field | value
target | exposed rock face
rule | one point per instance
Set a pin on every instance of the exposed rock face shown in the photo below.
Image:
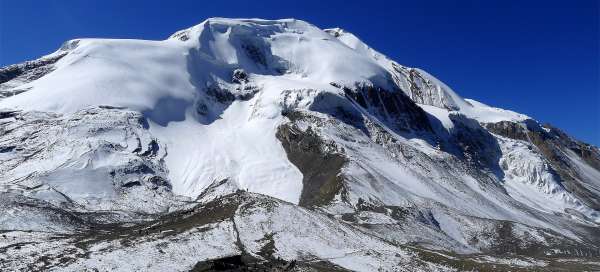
(556, 147)
(18, 74)
(421, 89)
(392, 107)
(239, 76)
(475, 144)
(30, 70)
(589, 153)
(318, 161)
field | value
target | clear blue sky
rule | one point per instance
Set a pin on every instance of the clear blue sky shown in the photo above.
(540, 58)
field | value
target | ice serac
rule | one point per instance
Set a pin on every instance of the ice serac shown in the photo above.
(273, 144)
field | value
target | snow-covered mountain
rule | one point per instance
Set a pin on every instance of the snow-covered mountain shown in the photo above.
(258, 144)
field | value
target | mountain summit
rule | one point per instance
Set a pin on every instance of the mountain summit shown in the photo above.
(274, 145)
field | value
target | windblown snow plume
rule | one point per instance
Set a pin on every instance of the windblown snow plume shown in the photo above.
(275, 145)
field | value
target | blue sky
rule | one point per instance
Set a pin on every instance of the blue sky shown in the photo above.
(540, 58)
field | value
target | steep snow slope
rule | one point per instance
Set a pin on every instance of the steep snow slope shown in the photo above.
(424, 88)
(129, 130)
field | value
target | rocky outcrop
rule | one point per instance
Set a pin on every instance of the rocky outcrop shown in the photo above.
(420, 88)
(15, 75)
(392, 107)
(558, 149)
(320, 167)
